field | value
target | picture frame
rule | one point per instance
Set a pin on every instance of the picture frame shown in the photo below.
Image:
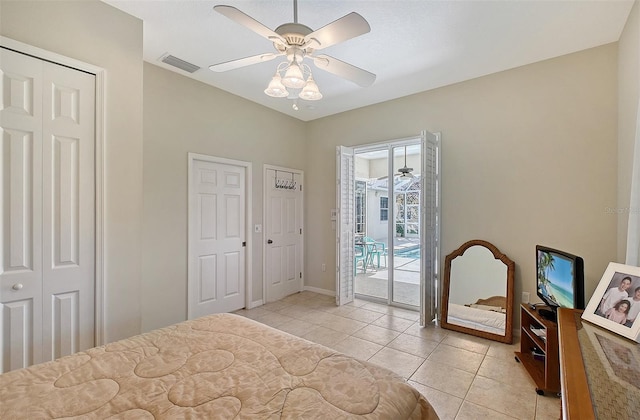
(606, 308)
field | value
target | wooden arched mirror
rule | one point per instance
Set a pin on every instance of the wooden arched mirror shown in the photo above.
(477, 296)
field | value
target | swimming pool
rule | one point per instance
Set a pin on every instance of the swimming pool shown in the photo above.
(409, 252)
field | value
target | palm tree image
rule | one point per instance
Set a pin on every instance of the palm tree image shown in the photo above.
(545, 266)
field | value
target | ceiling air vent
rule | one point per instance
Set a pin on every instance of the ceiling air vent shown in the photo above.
(181, 64)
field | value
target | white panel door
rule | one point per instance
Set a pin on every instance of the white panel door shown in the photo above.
(47, 183)
(283, 233)
(21, 209)
(345, 226)
(216, 238)
(68, 211)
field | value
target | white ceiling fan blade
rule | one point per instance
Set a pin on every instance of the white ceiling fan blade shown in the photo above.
(242, 62)
(347, 27)
(249, 22)
(345, 70)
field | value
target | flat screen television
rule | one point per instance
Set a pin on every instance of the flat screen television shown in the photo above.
(559, 279)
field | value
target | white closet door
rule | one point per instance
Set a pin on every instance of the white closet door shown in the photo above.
(21, 209)
(47, 183)
(68, 210)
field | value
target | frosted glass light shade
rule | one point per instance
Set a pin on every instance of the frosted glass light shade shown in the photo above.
(276, 89)
(293, 77)
(310, 91)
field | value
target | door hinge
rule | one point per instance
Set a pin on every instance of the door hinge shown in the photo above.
(301, 274)
(300, 231)
(244, 243)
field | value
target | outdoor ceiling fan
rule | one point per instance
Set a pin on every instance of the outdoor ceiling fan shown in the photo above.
(297, 42)
(404, 172)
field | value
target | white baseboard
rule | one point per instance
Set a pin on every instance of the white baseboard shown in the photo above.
(255, 304)
(319, 291)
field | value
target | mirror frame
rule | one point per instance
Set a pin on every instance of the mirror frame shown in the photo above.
(508, 336)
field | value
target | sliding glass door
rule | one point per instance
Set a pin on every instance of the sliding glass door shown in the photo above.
(387, 216)
(406, 257)
(372, 222)
(387, 222)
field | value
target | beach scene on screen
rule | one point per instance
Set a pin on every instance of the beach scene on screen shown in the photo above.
(558, 286)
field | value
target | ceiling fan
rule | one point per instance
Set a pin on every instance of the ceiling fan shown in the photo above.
(297, 42)
(404, 172)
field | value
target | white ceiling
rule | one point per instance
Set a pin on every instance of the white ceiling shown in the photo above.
(413, 46)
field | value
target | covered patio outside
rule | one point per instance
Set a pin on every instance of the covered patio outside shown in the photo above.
(372, 281)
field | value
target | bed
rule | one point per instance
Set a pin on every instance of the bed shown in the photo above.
(488, 314)
(477, 317)
(221, 366)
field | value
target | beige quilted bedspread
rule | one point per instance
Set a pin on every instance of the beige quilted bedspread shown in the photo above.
(217, 367)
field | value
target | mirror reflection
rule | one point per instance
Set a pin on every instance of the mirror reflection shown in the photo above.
(478, 291)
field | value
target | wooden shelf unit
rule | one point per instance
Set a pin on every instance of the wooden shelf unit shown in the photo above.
(544, 370)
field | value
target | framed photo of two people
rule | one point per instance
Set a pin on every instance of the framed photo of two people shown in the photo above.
(615, 304)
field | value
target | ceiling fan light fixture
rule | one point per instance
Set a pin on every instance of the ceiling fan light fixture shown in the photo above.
(310, 91)
(293, 77)
(299, 42)
(276, 89)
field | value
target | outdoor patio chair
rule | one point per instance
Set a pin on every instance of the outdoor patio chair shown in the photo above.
(376, 249)
(359, 256)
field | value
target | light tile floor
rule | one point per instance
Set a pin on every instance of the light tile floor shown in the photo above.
(462, 376)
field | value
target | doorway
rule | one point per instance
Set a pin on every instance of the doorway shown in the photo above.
(390, 210)
(388, 234)
(283, 219)
(217, 220)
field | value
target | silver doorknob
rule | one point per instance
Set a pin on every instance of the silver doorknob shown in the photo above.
(17, 286)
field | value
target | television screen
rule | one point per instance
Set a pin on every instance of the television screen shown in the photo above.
(560, 278)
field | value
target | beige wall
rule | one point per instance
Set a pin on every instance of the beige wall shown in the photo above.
(101, 35)
(528, 157)
(505, 137)
(628, 96)
(180, 116)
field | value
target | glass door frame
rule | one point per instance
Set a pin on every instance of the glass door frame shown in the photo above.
(389, 146)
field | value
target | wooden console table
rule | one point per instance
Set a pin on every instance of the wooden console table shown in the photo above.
(599, 371)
